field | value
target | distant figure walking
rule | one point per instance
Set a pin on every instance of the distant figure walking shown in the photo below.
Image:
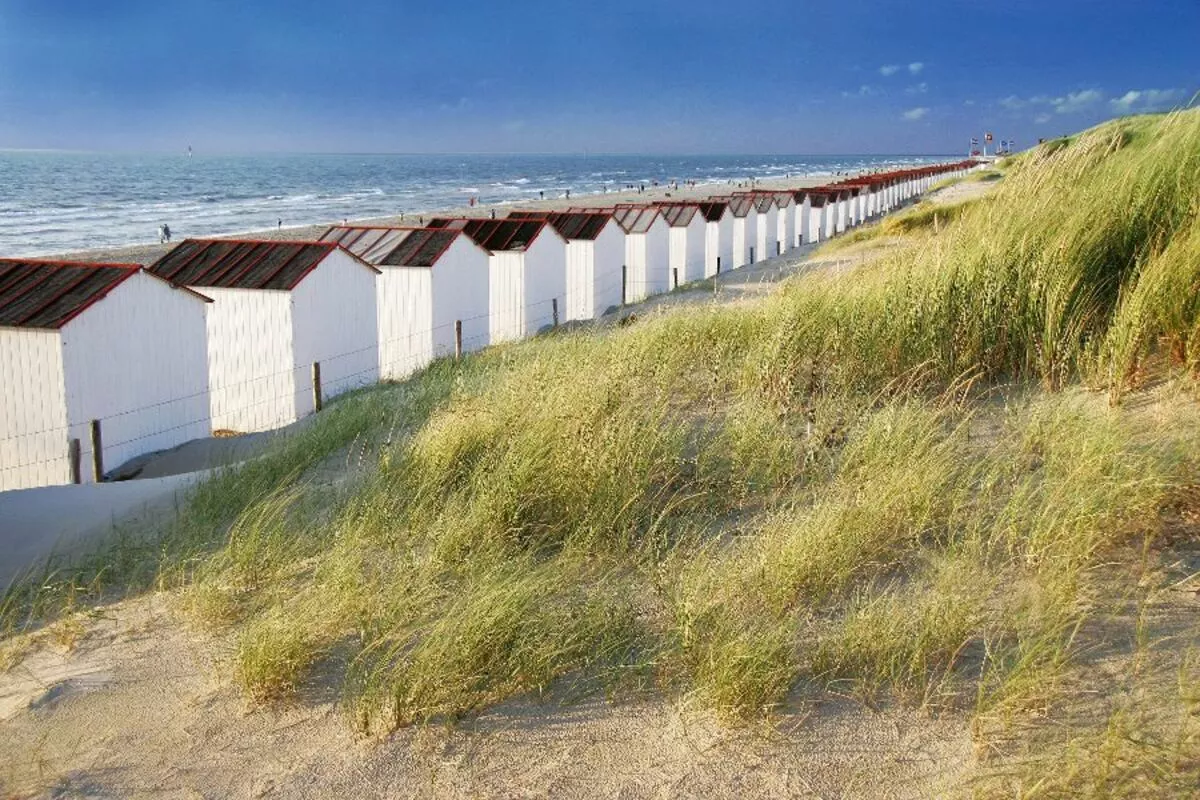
(493, 213)
(164, 233)
(280, 222)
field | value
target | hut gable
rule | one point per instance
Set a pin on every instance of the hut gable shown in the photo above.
(243, 264)
(49, 294)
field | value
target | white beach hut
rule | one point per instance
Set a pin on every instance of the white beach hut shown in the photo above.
(785, 232)
(432, 292)
(689, 230)
(647, 249)
(743, 229)
(105, 342)
(595, 259)
(718, 237)
(285, 316)
(801, 208)
(815, 230)
(768, 225)
(527, 275)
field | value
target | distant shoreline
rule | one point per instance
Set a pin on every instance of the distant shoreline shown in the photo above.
(148, 253)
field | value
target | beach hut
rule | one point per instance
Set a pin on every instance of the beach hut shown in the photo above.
(718, 237)
(84, 342)
(647, 249)
(527, 273)
(764, 230)
(290, 321)
(431, 295)
(743, 230)
(689, 230)
(815, 229)
(595, 279)
(785, 232)
(842, 216)
(801, 209)
(755, 249)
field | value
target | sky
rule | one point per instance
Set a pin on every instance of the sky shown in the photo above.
(551, 76)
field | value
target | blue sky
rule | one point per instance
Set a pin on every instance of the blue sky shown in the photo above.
(702, 76)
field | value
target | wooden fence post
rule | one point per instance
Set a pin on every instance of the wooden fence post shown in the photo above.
(457, 339)
(624, 284)
(318, 400)
(74, 458)
(718, 265)
(97, 452)
(675, 272)
(554, 310)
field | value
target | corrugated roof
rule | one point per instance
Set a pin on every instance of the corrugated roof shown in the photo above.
(241, 264)
(371, 243)
(585, 225)
(421, 248)
(763, 202)
(49, 294)
(634, 218)
(495, 234)
(713, 210)
(739, 204)
(679, 215)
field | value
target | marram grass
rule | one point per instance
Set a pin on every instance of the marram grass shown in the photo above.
(900, 483)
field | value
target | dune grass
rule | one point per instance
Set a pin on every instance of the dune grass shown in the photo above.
(900, 483)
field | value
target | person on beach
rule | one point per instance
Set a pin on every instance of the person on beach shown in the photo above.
(164, 233)
(493, 213)
(542, 194)
(280, 225)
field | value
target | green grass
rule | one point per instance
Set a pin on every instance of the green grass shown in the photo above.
(903, 483)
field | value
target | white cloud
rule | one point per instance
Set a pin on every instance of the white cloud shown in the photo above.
(1077, 101)
(916, 67)
(914, 114)
(1072, 103)
(889, 70)
(920, 88)
(863, 91)
(1042, 119)
(1147, 100)
(968, 102)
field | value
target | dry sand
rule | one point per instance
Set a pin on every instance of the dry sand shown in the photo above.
(141, 708)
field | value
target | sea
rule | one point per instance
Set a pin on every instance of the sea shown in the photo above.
(59, 202)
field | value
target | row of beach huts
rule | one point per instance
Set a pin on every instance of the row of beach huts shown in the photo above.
(102, 363)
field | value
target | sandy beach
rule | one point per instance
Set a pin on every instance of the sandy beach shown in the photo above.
(150, 252)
